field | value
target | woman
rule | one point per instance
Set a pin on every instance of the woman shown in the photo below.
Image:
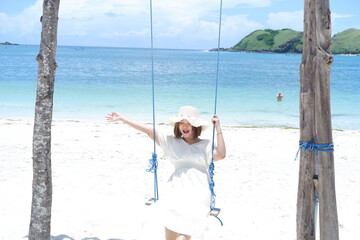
(186, 201)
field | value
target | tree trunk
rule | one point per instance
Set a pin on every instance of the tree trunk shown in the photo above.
(305, 198)
(329, 228)
(315, 121)
(40, 221)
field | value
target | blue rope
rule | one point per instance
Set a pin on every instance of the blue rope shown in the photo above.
(221, 222)
(315, 147)
(212, 166)
(218, 60)
(153, 161)
(212, 184)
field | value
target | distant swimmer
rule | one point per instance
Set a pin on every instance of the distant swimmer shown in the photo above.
(279, 96)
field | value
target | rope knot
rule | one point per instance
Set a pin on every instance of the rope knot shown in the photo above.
(153, 164)
(315, 147)
(307, 145)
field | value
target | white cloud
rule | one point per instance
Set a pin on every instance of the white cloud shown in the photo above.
(22, 25)
(83, 21)
(173, 20)
(126, 34)
(4, 20)
(85, 9)
(249, 3)
(234, 28)
(339, 22)
(337, 15)
(294, 20)
(280, 20)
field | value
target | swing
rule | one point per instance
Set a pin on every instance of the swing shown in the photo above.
(153, 164)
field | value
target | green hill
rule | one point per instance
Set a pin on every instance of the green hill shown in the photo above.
(268, 40)
(346, 42)
(290, 41)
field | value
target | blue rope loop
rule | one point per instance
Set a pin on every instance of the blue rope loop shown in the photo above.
(153, 164)
(315, 147)
(212, 184)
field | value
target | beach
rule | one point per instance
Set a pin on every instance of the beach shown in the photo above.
(100, 183)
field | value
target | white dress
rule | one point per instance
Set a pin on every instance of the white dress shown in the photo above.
(186, 199)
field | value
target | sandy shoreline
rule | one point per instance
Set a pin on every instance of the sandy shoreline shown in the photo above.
(100, 183)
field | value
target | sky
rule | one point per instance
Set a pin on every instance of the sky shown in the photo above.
(177, 24)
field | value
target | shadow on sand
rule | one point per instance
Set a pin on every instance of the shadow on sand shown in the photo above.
(66, 237)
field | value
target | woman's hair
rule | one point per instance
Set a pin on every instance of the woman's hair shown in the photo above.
(177, 132)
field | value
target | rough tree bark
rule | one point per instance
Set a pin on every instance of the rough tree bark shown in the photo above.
(305, 198)
(329, 226)
(40, 222)
(315, 121)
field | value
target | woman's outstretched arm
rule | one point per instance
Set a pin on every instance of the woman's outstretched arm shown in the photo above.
(114, 117)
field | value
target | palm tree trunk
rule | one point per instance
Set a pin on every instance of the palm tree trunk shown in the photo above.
(40, 222)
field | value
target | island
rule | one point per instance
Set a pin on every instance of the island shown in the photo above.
(8, 43)
(291, 41)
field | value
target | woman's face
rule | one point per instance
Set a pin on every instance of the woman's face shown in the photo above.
(186, 129)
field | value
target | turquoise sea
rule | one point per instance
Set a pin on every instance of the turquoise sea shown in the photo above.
(92, 81)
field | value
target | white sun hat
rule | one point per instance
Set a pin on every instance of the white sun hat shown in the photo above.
(190, 114)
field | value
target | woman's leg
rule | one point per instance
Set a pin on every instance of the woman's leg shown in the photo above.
(171, 235)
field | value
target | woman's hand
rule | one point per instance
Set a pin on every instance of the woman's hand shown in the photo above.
(215, 120)
(114, 117)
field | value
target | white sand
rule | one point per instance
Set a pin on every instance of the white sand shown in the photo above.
(100, 183)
